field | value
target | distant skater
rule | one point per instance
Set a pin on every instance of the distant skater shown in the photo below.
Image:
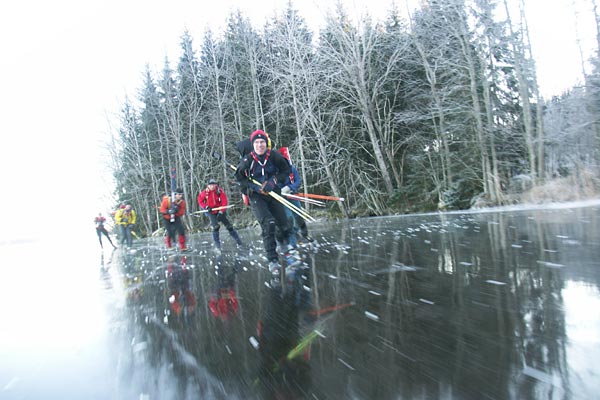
(173, 212)
(125, 219)
(101, 230)
(211, 199)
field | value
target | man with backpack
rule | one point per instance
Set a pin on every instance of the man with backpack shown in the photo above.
(213, 199)
(267, 168)
(173, 210)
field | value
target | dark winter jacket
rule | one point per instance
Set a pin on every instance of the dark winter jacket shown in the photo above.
(270, 166)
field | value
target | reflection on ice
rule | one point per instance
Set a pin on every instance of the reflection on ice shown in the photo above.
(455, 305)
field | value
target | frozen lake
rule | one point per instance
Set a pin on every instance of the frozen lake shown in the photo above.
(501, 304)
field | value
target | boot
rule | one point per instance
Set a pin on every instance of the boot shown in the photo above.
(292, 257)
(307, 237)
(236, 237)
(275, 270)
(168, 242)
(274, 267)
(182, 243)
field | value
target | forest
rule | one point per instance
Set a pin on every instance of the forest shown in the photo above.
(438, 111)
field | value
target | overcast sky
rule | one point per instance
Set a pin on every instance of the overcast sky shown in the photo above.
(67, 65)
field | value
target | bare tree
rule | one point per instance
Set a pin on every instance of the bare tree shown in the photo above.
(352, 53)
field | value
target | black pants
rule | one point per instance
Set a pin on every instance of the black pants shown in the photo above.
(102, 231)
(174, 228)
(270, 214)
(222, 218)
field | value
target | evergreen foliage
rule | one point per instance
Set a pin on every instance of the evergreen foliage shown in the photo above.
(395, 116)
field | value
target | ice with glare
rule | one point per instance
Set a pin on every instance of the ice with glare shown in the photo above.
(254, 342)
(550, 264)
(346, 364)
(372, 316)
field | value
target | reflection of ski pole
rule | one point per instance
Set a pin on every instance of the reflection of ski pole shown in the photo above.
(303, 344)
(330, 309)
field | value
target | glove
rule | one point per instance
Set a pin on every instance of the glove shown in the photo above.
(209, 209)
(255, 188)
(269, 185)
(171, 211)
(124, 220)
(220, 213)
(286, 190)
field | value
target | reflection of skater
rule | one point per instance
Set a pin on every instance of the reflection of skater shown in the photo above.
(269, 168)
(214, 197)
(125, 219)
(101, 230)
(284, 370)
(173, 211)
(181, 296)
(223, 302)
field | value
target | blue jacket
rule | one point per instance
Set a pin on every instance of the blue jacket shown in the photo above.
(293, 180)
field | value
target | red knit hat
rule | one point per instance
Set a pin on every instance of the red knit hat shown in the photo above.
(258, 134)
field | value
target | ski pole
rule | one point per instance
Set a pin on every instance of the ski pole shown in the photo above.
(173, 177)
(305, 199)
(320, 196)
(214, 209)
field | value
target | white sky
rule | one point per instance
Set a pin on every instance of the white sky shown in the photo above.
(67, 65)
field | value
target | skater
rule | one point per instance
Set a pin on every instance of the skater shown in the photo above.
(101, 230)
(172, 212)
(290, 186)
(269, 168)
(209, 199)
(125, 219)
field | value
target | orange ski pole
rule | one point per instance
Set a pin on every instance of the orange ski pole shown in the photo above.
(320, 196)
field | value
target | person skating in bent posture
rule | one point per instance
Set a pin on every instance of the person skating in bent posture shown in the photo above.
(100, 220)
(210, 199)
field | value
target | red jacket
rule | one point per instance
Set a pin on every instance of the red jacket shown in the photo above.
(166, 204)
(212, 198)
(99, 221)
(224, 304)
